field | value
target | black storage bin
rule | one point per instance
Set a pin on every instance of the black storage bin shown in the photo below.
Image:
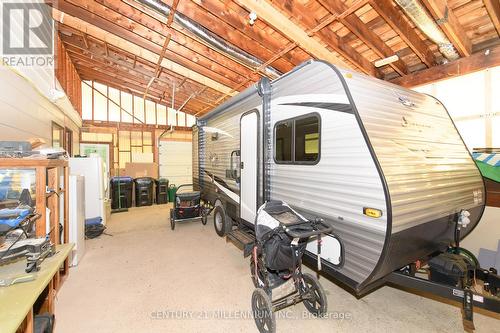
(144, 191)
(161, 191)
(121, 192)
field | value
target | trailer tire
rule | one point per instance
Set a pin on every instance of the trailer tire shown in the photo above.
(222, 223)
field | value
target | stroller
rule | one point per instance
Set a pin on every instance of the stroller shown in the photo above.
(276, 264)
(187, 206)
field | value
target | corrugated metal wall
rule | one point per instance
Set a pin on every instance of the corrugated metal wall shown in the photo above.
(428, 169)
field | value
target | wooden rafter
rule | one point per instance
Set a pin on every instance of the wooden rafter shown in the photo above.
(462, 66)
(370, 38)
(296, 9)
(74, 46)
(85, 64)
(493, 8)
(204, 61)
(140, 52)
(91, 59)
(85, 40)
(450, 25)
(152, 26)
(234, 28)
(275, 18)
(407, 33)
(157, 70)
(292, 45)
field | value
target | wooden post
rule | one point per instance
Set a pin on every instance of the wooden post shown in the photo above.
(29, 322)
(53, 204)
(66, 204)
(40, 201)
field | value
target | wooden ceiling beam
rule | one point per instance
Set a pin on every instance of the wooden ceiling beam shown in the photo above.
(157, 71)
(370, 38)
(292, 45)
(476, 62)
(180, 43)
(239, 22)
(86, 62)
(243, 39)
(118, 25)
(267, 12)
(450, 25)
(394, 18)
(72, 43)
(493, 8)
(293, 32)
(85, 66)
(124, 44)
(85, 41)
(97, 125)
(145, 69)
(156, 27)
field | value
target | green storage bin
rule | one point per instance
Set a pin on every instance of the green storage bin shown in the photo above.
(171, 192)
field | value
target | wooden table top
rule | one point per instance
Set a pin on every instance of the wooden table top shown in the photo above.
(18, 299)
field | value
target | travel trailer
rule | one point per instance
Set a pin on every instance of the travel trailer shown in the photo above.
(384, 165)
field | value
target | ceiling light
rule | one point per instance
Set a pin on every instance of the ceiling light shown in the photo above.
(252, 17)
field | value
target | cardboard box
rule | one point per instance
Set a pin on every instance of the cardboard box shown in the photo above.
(138, 170)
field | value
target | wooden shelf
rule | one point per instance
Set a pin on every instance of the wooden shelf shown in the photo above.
(48, 174)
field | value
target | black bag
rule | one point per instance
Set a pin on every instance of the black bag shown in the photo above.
(94, 230)
(279, 255)
(43, 323)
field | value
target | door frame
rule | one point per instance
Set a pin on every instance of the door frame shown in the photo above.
(256, 111)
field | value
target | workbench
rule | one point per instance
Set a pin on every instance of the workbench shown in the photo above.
(16, 301)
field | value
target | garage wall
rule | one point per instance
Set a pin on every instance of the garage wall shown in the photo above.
(473, 103)
(26, 113)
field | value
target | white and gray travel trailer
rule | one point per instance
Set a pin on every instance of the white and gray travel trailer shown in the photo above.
(384, 165)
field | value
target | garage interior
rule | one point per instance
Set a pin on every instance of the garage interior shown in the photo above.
(120, 102)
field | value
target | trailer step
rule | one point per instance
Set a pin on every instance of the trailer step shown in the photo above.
(241, 239)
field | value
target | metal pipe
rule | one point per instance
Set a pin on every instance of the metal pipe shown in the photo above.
(417, 13)
(210, 39)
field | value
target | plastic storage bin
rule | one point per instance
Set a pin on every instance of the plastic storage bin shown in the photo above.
(121, 192)
(161, 191)
(171, 192)
(144, 191)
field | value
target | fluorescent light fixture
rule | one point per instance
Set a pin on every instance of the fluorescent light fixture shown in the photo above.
(386, 61)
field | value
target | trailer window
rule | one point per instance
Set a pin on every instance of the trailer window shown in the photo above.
(297, 140)
(283, 145)
(307, 139)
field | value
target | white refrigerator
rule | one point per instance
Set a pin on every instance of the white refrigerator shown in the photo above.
(77, 218)
(96, 184)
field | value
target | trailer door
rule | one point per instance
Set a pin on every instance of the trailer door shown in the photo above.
(248, 165)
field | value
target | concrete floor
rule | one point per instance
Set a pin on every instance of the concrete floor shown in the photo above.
(147, 278)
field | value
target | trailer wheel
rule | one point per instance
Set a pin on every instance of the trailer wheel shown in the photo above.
(172, 220)
(317, 304)
(222, 224)
(262, 310)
